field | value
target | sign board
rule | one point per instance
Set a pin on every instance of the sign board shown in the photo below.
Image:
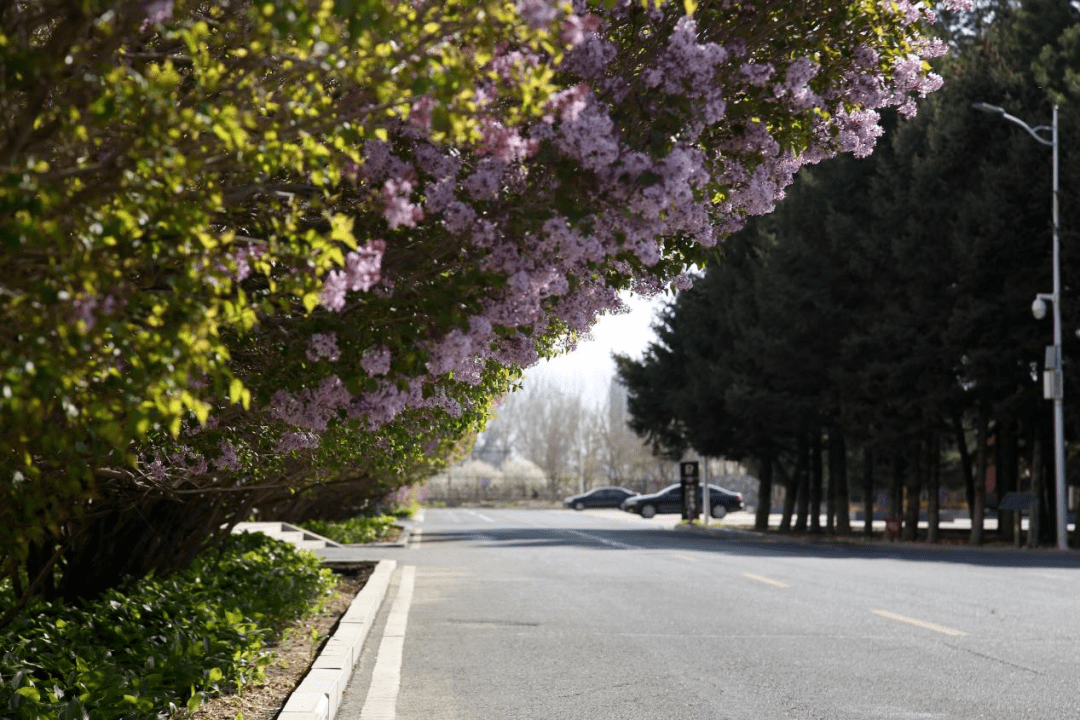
(691, 489)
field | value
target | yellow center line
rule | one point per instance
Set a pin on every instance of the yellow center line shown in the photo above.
(767, 581)
(920, 623)
(687, 558)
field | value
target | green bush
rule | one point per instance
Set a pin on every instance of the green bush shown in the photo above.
(163, 644)
(353, 531)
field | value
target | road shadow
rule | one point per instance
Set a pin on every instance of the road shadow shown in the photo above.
(744, 543)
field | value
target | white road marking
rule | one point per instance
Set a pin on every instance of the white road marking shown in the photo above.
(483, 517)
(920, 623)
(381, 701)
(767, 581)
(611, 543)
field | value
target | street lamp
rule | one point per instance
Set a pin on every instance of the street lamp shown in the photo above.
(1053, 379)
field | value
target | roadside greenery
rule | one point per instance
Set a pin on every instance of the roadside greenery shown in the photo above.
(284, 255)
(354, 530)
(162, 644)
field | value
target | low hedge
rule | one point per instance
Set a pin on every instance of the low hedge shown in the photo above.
(354, 531)
(164, 644)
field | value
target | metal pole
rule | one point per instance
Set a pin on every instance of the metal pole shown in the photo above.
(1055, 387)
(705, 510)
(1059, 399)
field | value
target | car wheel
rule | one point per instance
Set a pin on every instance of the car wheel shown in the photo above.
(718, 511)
(579, 505)
(647, 511)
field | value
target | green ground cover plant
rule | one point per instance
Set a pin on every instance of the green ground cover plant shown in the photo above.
(354, 531)
(163, 645)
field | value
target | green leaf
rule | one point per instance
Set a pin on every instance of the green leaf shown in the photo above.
(236, 389)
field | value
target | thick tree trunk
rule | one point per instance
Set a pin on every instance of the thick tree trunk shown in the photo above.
(965, 458)
(979, 495)
(1005, 452)
(868, 492)
(764, 508)
(838, 484)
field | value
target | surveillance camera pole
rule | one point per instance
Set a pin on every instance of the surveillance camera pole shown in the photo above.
(1054, 380)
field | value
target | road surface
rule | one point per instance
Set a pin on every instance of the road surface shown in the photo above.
(540, 614)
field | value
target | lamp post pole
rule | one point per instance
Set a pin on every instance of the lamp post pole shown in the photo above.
(1053, 378)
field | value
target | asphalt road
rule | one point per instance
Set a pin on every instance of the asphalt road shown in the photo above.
(523, 614)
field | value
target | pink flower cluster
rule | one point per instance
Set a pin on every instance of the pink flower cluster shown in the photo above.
(363, 269)
(323, 346)
(634, 197)
(376, 361)
(295, 441)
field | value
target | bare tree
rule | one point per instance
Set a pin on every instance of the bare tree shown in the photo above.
(575, 445)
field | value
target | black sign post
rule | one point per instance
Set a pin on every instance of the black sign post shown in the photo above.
(691, 488)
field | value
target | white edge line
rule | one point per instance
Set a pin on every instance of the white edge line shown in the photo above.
(381, 700)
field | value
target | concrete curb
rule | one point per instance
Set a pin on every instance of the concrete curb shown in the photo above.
(318, 696)
(403, 541)
(856, 540)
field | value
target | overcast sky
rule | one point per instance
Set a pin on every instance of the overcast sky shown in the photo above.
(588, 369)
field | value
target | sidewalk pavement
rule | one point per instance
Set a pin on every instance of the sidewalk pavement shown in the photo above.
(744, 520)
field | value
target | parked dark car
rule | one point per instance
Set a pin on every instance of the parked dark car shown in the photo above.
(603, 497)
(670, 500)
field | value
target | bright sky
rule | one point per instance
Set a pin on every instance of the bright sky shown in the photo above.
(588, 369)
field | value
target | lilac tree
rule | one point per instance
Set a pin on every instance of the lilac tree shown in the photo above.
(264, 245)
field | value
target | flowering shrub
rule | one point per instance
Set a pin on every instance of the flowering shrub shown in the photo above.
(245, 241)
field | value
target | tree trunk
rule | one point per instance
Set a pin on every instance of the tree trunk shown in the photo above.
(868, 492)
(1047, 500)
(913, 490)
(965, 458)
(160, 535)
(979, 496)
(1005, 451)
(933, 488)
(1036, 517)
(790, 490)
(817, 481)
(830, 492)
(838, 486)
(764, 508)
(802, 473)
(896, 490)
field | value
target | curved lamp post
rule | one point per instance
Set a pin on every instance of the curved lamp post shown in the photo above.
(1053, 379)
